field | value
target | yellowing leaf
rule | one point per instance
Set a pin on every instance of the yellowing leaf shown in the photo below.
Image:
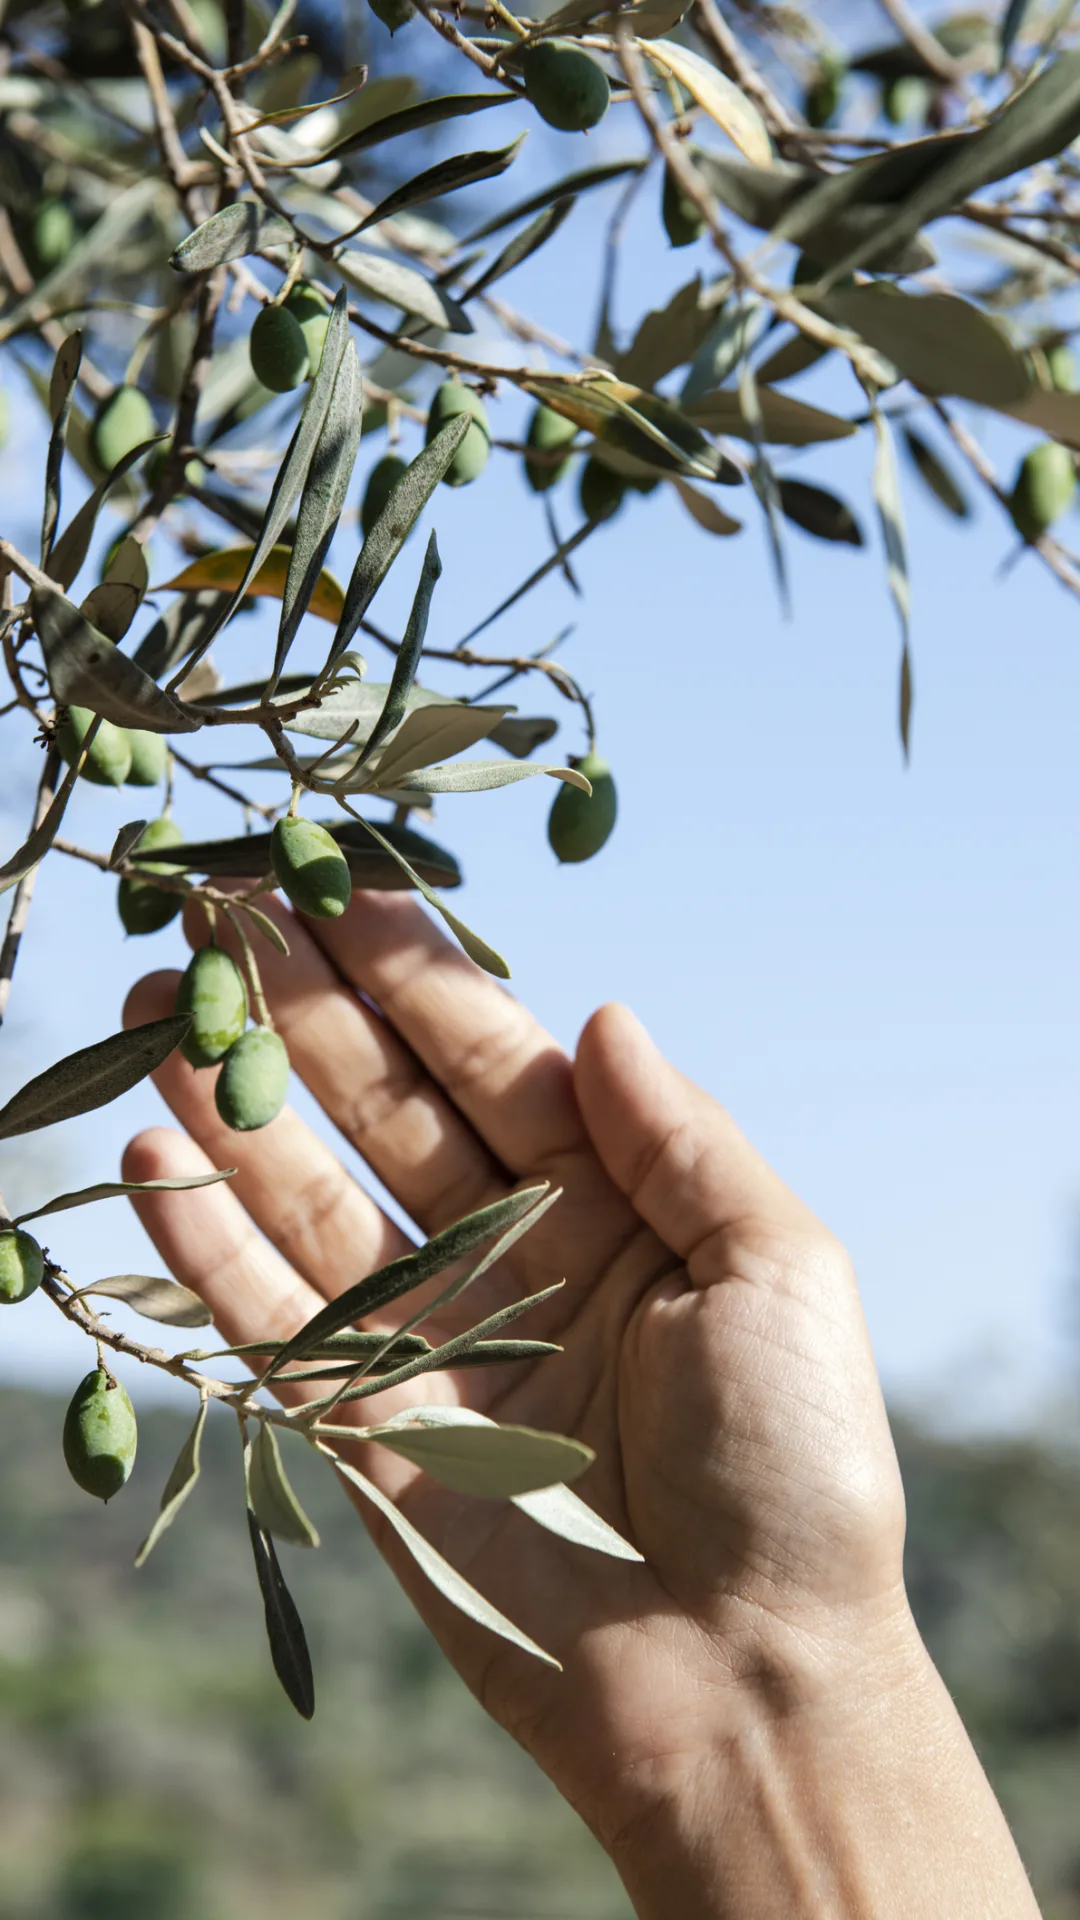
(226, 569)
(721, 99)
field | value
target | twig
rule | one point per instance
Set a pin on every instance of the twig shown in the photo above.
(922, 41)
(1060, 562)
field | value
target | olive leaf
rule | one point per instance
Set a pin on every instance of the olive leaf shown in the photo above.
(790, 201)
(938, 341)
(485, 1353)
(785, 421)
(126, 841)
(36, 846)
(430, 734)
(521, 247)
(886, 490)
(268, 928)
(730, 338)
(705, 511)
(322, 500)
(555, 1508)
(447, 176)
(477, 949)
(491, 1462)
(71, 549)
(61, 398)
(178, 632)
(669, 336)
(112, 606)
(396, 285)
(93, 1076)
(1015, 14)
(293, 470)
(521, 736)
(451, 1354)
(571, 183)
(391, 530)
(244, 227)
(797, 355)
(408, 656)
(179, 1484)
(1035, 124)
(148, 1294)
(426, 113)
(410, 1270)
(270, 1493)
(284, 1628)
(936, 475)
(226, 568)
(452, 1585)
(247, 857)
(482, 776)
(115, 1189)
(720, 98)
(86, 669)
(819, 512)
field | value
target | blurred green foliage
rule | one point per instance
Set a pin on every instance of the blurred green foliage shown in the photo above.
(151, 1770)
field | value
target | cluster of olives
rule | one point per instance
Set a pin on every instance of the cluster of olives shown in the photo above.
(117, 756)
(906, 98)
(99, 1427)
(250, 1090)
(287, 340)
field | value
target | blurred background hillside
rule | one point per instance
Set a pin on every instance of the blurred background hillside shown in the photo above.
(150, 1768)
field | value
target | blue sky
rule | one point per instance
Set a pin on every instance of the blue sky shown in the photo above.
(876, 968)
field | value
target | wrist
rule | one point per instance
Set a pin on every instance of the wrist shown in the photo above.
(835, 1784)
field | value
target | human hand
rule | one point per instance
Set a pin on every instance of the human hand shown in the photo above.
(717, 1363)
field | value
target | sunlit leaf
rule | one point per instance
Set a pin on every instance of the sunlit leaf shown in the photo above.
(481, 776)
(721, 99)
(116, 1189)
(452, 1585)
(179, 1484)
(396, 285)
(225, 570)
(322, 500)
(92, 1077)
(491, 1462)
(86, 669)
(270, 1492)
(245, 227)
(426, 113)
(447, 176)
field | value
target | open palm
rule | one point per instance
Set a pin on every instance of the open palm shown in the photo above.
(716, 1358)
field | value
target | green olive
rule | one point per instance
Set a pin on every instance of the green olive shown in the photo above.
(601, 491)
(381, 482)
(108, 761)
(450, 400)
(310, 868)
(549, 433)
(21, 1266)
(578, 825)
(100, 1435)
(392, 13)
(143, 907)
(683, 223)
(279, 355)
(121, 423)
(568, 88)
(1044, 489)
(149, 758)
(253, 1081)
(212, 990)
(312, 314)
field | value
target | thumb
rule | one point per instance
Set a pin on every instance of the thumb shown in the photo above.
(670, 1147)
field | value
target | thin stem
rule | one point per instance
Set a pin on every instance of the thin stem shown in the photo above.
(24, 892)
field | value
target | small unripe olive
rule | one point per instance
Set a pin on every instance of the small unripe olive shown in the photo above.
(578, 824)
(683, 223)
(568, 88)
(121, 423)
(212, 990)
(392, 13)
(108, 761)
(21, 1266)
(904, 99)
(52, 235)
(1044, 489)
(312, 314)
(822, 98)
(149, 756)
(381, 482)
(143, 907)
(310, 868)
(279, 355)
(100, 1435)
(601, 491)
(449, 400)
(549, 432)
(1061, 366)
(253, 1081)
